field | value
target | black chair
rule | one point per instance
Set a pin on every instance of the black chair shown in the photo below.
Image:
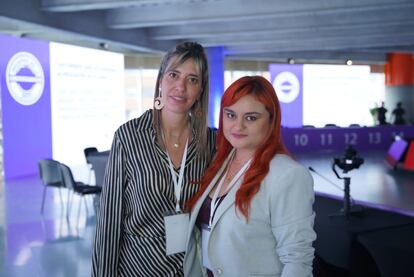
(78, 187)
(87, 151)
(98, 163)
(51, 176)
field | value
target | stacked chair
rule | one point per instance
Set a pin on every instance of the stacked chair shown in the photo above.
(87, 151)
(56, 174)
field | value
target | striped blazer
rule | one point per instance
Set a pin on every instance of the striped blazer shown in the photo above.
(137, 191)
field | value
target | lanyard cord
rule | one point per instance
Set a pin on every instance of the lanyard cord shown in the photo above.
(178, 184)
(214, 200)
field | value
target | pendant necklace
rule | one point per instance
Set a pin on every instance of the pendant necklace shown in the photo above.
(175, 144)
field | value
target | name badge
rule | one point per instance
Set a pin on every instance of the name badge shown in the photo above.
(176, 229)
(205, 236)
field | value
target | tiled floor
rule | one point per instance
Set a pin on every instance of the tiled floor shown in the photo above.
(48, 245)
(53, 245)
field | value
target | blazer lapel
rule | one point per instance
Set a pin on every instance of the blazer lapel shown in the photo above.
(227, 202)
(197, 206)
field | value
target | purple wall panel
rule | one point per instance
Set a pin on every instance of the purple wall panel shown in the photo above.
(26, 109)
(287, 79)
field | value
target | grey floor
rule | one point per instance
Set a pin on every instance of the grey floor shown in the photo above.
(49, 245)
(54, 245)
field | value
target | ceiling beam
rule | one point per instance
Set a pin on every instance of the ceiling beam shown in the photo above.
(87, 5)
(230, 10)
(266, 29)
(86, 24)
(315, 57)
(324, 44)
(330, 33)
(388, 16)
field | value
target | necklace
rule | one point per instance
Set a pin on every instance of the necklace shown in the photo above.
(177, 143)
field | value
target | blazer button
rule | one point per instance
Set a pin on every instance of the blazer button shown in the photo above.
(219, 271)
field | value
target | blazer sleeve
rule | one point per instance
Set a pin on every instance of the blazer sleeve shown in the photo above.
(109, 220)
(292, 219)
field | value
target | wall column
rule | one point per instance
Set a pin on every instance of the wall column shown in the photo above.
(215, 56)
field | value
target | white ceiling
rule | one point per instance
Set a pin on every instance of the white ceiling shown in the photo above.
(272, 30)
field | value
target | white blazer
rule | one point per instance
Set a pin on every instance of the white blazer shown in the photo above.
(276, 240)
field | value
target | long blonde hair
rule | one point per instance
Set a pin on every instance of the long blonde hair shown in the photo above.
(199, 111)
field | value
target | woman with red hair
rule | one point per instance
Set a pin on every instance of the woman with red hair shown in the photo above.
(253, 214)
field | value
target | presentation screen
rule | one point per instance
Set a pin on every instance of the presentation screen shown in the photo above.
(317, 95)
(87, 99)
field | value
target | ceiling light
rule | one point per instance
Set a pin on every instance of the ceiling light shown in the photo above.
(104, 45)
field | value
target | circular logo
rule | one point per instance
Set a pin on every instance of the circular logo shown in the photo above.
(25, 78)
(287, 86)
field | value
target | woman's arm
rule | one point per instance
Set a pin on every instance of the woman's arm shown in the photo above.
(109, 219)
(292, 219)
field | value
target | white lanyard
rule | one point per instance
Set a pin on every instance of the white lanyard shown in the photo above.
(178, 185)
(214, 202)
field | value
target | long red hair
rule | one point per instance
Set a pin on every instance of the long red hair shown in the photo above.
(273, 144)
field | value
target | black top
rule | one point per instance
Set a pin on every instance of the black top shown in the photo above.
(204, 217)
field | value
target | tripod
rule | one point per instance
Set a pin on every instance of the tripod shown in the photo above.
(348, 209)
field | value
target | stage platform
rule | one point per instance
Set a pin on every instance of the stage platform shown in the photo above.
(374, 184)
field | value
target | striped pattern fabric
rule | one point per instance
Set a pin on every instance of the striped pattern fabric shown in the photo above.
(137, 191)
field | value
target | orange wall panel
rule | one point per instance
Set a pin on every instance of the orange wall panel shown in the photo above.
(399, 69)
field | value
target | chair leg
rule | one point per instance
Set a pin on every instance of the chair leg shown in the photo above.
(43, 199)
(86, 206)
(68, 204)
(61, 201)
(80, 206)
(71, 194)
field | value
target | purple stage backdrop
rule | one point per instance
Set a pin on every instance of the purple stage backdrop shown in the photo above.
(25, 97)
(287, 79)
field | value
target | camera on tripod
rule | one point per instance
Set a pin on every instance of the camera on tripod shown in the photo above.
(349, 161)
